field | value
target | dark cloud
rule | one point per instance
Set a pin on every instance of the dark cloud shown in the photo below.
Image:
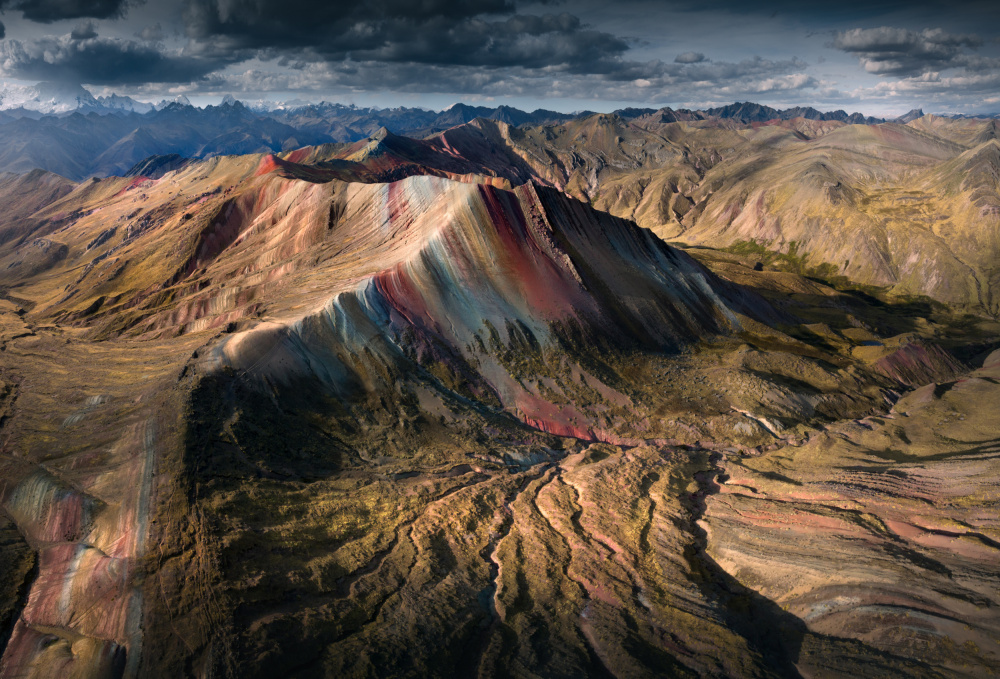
(471, 34)
(838, 11)
(453, 32)
(152, 33)
(653, 82)
(689, 58)
(526, 41)
(84, 31)
(901, 52)
(98, 61)
(3, 31)
(289, 23)
(47, 11)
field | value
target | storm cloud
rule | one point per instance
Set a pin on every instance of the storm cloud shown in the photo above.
(460, 33)
(84, 31)
(689, 58)
(897, 51)
(47, 11)
(98, 61)
(709, 81)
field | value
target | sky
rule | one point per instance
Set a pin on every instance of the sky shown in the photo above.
(882, 57)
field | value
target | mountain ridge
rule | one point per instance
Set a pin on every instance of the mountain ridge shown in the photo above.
(233, 127)
(695, 181)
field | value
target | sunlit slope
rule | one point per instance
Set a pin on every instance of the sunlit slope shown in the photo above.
(965, 131)
(855, 202)
(903, 503)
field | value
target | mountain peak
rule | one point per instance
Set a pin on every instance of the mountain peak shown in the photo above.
(179, 101)
(989, 132)
(910, 116)
(47, 97)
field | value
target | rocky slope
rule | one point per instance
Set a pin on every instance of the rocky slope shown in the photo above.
(919, 483)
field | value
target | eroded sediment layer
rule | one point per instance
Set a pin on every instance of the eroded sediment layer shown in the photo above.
(904, 505)
(82, 447)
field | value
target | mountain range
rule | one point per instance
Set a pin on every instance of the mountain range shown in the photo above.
(66, 130)
(910, 207)
(643, 394)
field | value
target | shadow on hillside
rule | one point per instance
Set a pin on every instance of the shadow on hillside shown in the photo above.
(782, 640)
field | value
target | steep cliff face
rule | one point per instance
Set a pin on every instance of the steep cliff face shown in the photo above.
(877, 204)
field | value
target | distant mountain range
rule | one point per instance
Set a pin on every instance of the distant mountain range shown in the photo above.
(50, 98)
(65, 129)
